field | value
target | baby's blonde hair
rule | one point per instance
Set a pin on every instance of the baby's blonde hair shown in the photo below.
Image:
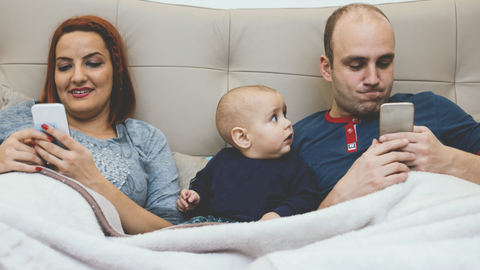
(233, 109)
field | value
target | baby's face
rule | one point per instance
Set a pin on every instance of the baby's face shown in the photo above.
(270, 132)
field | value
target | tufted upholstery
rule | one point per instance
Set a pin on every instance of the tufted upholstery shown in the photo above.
(184, 59)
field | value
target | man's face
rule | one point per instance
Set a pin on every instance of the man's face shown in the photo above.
(362, 74)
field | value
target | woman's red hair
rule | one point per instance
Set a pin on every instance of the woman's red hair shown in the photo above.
(122, 99)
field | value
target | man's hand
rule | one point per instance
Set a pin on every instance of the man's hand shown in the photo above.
(433, 156)
(269, 215)
(382, 165)
(188, 200)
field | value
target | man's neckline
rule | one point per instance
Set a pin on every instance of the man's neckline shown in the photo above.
(345, 120)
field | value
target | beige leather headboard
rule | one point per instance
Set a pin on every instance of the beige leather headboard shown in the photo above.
(184, 59)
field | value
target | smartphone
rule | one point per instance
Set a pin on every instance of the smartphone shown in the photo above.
(52, 114)
(396, 117)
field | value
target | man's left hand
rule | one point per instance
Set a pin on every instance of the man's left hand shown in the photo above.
(431, 154)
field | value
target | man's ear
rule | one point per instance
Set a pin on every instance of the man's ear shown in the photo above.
(240, 137)
(326, 68)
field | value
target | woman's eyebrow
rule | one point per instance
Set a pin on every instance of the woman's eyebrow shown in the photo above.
(86, 56)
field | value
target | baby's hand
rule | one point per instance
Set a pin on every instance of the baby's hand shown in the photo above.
(269, 215)
(188, 200)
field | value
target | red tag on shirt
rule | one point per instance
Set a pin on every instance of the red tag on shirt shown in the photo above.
(351, 138)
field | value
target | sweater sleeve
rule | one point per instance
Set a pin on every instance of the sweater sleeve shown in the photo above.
(162, 190)
(457, 128)
(303, 196)
(202, 186)
(15, 118)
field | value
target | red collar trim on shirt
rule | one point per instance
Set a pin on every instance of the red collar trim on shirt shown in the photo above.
(345, 120)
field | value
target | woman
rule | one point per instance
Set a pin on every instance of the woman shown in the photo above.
(127, 161)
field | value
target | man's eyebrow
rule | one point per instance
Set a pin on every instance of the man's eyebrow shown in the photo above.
(86, 56)
(388, 55)
(350, 58)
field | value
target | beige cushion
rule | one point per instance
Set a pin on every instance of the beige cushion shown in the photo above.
(476, 117)
(10, 97)
(187, 168)
(183, 59)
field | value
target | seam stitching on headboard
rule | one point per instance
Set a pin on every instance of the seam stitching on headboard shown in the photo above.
(229, 43)
(228, 60)
(116, 14)
(456, 51)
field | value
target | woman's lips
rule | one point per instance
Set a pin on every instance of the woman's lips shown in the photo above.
(81, 92)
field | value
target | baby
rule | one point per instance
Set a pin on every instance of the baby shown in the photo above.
(257, 179)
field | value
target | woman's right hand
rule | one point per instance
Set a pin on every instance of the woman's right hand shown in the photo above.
(15, 153)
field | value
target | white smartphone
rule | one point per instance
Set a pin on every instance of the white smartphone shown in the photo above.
(52, 114)
(396, 117)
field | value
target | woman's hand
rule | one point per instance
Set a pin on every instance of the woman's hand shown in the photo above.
(75, 162)
(17, 151)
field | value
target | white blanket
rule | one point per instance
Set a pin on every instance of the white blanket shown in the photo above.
(429, 222)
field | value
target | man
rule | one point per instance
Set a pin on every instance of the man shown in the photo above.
(340, 145)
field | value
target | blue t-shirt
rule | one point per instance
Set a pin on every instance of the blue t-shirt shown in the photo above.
(138, 161)
(331, 145)
(244, 189)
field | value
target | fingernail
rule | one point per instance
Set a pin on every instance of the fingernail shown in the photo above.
(38, 169)
(50, 138)
(382, 138)
(413, 155)
(45, 126)
(405, 140)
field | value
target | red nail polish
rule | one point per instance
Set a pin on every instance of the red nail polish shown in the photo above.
(50, 138)
(38, 169)
(45, 126)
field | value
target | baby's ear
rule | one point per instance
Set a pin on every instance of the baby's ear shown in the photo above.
(240, 137)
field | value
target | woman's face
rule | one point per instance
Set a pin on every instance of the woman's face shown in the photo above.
(84, 75)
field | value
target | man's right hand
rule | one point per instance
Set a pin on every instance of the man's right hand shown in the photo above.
(379, 167)
(188, 200)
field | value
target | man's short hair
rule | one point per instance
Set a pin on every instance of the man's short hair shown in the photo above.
(332, 22)
(234, 107)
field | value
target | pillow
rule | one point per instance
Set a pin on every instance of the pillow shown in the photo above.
(476, 117)
(187, 168)
(11, 97)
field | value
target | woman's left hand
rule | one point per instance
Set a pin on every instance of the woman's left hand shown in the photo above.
(75, 162)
